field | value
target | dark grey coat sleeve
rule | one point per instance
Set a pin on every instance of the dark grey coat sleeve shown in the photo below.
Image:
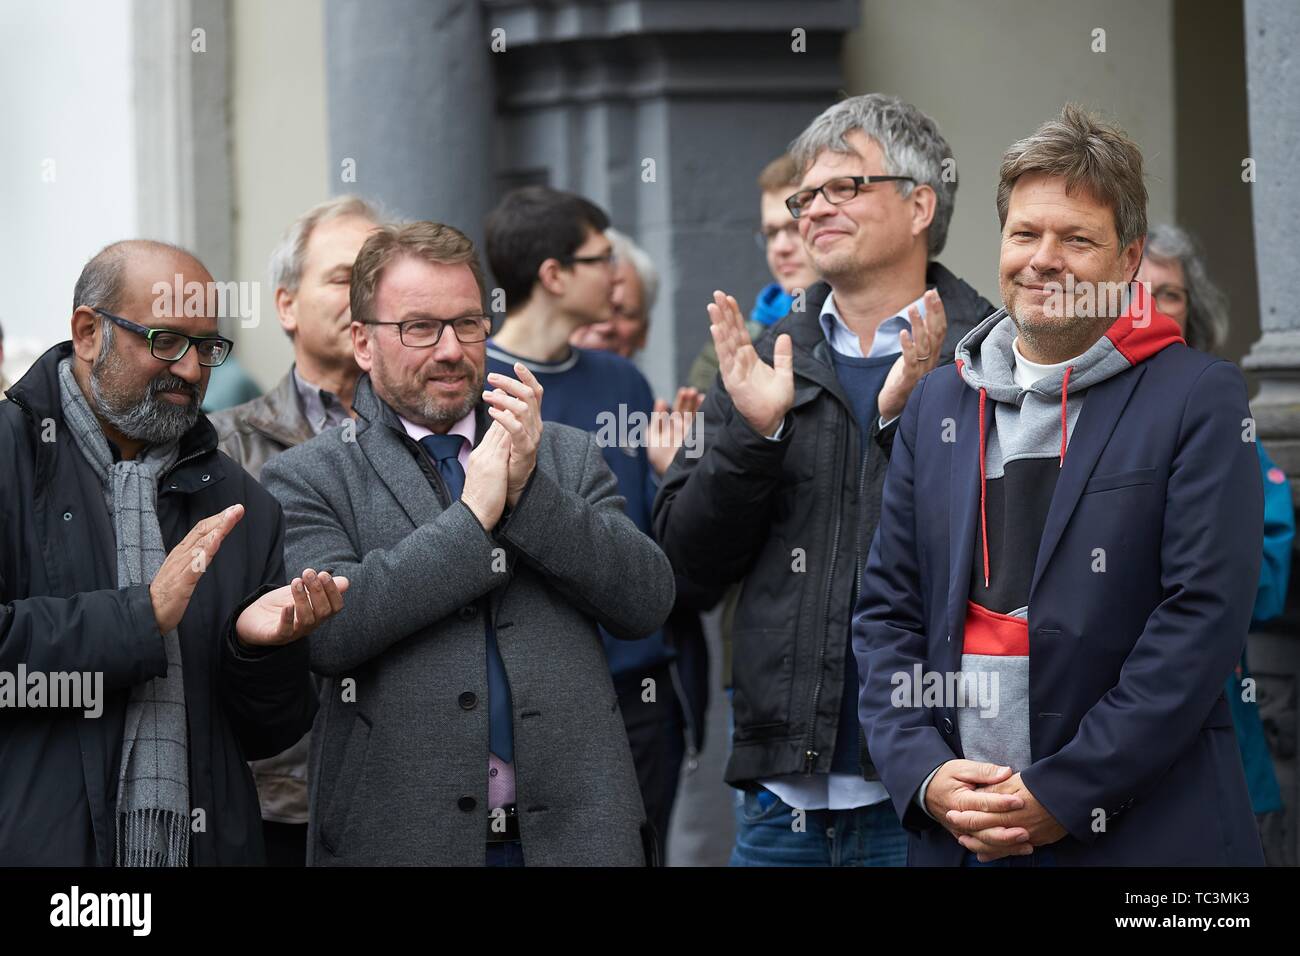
(593, 554)
(391, 593)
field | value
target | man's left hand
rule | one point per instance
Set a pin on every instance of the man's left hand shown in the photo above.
(292, 612)
(991, 836)
(920, 354)
(517, 405)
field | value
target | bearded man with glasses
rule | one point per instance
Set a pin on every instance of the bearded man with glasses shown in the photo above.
(468, 717)
(113, 504)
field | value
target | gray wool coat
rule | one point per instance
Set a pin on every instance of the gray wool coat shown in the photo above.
(400, 748)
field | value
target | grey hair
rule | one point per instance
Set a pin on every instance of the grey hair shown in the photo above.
(625, 248)
(1207, 304)
(910, 141)
(288, 256)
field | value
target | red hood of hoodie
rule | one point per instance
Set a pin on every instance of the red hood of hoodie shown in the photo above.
(1142, 330)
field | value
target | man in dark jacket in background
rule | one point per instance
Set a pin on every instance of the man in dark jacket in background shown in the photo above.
(113, 503)
(311, 272)
(786, 495)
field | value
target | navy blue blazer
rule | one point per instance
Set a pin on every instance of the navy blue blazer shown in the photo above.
(1128, 722)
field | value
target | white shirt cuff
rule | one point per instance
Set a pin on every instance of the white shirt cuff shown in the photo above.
(920, 794)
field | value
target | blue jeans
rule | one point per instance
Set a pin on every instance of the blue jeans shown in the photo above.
(866, 836)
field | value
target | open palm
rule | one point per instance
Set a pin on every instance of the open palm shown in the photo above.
(762, 393)
(286, 614)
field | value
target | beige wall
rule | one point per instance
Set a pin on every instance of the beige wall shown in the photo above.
(278, 126)
(990, 72)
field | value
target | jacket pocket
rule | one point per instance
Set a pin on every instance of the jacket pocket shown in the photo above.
(763, 673)
(334, 823)
(1120, 479)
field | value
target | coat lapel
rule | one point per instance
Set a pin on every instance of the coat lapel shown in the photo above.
(1102, 406)
(393, 461)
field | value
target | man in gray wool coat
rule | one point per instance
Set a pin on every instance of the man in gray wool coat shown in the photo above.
(467, 714)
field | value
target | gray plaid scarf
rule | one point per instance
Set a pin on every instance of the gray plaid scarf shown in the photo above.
(153, 792)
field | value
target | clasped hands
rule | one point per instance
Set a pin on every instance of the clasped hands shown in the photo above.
(989, 810)
(499, 468)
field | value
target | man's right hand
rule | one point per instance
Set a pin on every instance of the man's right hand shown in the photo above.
(956, 787)
(174, 584)
(487, 476)
(762, 393)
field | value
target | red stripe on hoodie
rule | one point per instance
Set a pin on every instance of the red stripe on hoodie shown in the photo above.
(1142, 330)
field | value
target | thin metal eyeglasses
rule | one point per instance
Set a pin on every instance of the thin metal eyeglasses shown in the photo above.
(609, 259)
(425, 333)
(837, 191)
(765, 237)
(168, 345)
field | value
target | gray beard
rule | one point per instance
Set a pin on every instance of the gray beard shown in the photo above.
(434, 415)
(150, 419)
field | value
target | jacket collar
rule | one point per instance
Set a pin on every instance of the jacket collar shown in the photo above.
(812, 353)
(278, 415)
(37, 393)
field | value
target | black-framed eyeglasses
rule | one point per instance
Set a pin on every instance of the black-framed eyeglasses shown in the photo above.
(424, 333)
(168, 345)
(608, 259)
(837, 191)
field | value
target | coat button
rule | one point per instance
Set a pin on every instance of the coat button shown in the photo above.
(67, 516)
(467, 612)
(467, 701)
(207, 477)
(947, 725)
(467, 803)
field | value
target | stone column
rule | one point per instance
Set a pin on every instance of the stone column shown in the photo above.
(410, 101)
(1273, 87)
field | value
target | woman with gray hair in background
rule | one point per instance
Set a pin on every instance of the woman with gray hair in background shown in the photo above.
(1175, 270)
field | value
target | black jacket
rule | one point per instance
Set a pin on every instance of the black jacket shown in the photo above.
(60, 611)
(794, 519)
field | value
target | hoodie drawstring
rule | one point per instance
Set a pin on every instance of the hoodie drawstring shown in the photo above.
(984, 518)
(1065, 390)
(984, 521)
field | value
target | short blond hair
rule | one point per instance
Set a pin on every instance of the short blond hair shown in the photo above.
(431, 241)
(1091, 155)
(781, 173)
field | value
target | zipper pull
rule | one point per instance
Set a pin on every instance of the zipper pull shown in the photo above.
(809, 760)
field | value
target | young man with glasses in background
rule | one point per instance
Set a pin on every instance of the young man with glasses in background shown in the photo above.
(787, 260)
(558, 270)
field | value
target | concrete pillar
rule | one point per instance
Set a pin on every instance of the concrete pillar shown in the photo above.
(1273, 87)
(410, 100)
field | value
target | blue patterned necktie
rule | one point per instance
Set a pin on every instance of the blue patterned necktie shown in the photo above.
(445, 452)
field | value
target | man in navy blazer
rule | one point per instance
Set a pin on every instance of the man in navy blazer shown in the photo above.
(1067, 554)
